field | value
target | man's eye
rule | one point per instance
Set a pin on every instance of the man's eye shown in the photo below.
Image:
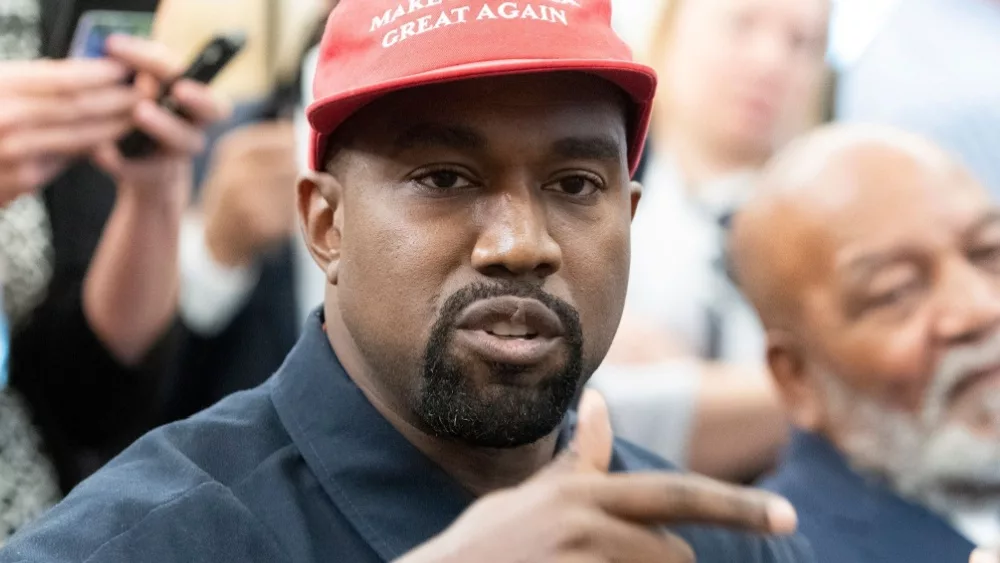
(443, 180)
(581, 186)
(896, 296)
(987, 257)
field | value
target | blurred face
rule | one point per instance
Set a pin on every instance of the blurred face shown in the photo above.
(745, 73)
(905, 316)
(480, 251)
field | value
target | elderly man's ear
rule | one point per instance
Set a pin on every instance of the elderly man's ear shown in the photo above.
(803, 401)
(321, 217)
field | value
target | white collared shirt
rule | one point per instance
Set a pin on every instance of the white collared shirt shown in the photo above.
(981, 528)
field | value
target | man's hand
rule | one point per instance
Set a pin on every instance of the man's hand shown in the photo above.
(985, 556)
(166, 174)
(249, 196)
(54, 111)
(575, 511)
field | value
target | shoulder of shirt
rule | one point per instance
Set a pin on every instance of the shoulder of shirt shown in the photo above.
(177, 482)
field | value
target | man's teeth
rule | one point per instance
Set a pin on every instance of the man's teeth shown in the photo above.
(510, 329)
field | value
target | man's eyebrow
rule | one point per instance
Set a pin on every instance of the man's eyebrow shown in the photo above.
(588, 148)
(436, 135)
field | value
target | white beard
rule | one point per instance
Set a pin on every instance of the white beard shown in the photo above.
(923, 457)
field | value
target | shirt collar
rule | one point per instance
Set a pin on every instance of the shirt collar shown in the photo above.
(393, 495)
(980, 527)
(891, 520)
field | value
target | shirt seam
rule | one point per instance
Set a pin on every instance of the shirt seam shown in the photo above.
(173, 502)
(358, 520)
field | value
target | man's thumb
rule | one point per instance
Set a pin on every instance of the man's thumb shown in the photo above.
(983, 556)
(593, 439)
(590, 449)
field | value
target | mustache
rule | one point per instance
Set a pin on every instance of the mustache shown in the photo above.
(954, 369)
(480, 291)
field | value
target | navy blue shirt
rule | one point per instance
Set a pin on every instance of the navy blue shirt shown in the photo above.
(301, 469)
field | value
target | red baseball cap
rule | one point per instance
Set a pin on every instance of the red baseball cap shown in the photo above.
(374, 47)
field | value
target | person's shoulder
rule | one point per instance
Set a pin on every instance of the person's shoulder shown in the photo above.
(175, 492)
(716, 545)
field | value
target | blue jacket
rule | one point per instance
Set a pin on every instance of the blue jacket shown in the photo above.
(849, 519)
(302, 469)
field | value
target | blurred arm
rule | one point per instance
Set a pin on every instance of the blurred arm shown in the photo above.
(211, 294)
(130, 292)
(722, 420)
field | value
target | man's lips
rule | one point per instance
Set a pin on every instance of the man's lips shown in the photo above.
(510, 330)
(512, 317)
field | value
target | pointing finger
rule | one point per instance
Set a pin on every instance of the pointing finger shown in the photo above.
(663, 498)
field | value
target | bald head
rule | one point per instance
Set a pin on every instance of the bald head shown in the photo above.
(820, 192)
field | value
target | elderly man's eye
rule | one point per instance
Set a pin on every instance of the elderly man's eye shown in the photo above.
(895, 296)
(443, 180)
(987, 257)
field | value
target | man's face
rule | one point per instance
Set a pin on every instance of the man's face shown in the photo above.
(482, 250)
(904, 318)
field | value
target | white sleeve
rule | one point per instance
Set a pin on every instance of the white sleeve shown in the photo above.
(653, 405)
(211, 294)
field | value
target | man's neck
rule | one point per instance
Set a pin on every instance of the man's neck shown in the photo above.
(480, 470)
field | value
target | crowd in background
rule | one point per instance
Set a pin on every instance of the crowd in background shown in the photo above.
(137, 295)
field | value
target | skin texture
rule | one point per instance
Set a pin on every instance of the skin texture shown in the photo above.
(520, 186)
(874, 260)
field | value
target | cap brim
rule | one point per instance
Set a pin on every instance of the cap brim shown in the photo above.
(637, 80)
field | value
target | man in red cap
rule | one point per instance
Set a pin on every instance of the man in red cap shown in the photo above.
(470, 206)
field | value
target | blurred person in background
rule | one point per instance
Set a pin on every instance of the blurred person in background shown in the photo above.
(686, 377)
(883, 335)
(88, 251)
(930, 66)
(248, 282)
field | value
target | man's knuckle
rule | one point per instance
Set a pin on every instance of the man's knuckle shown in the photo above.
(575, 530)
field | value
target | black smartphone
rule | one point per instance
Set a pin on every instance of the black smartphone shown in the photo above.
(206, 66)
(78, 28)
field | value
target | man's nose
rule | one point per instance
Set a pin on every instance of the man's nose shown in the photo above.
(514, 240)
(969, 306)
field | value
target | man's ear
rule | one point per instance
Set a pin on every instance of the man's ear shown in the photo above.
(321, 217)
(790, 371)
(635, 193)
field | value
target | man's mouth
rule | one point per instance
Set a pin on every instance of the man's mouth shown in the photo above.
(510, 330)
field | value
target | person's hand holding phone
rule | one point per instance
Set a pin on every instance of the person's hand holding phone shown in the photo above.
(166, 174)
(52, 112)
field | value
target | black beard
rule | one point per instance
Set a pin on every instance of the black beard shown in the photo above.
(450, 405)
